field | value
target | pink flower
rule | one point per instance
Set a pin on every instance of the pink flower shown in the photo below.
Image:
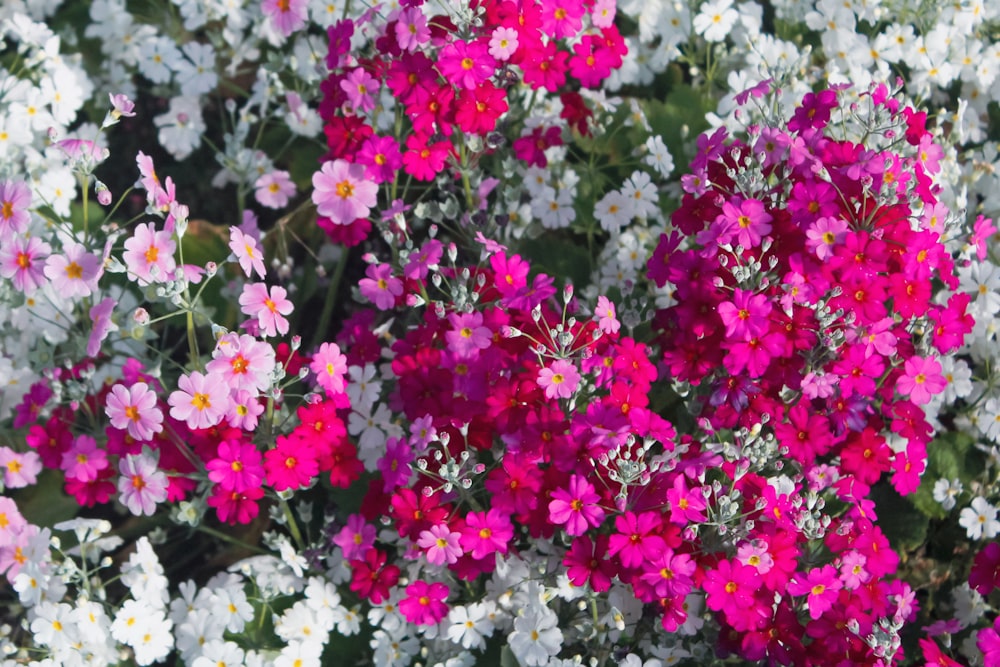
(134, 409)
(921, 379)
(395, 464)
(746, 316)
(411, 29)
(244, 409)
(149, 254)
(274, 189)
(440, 545)
(356, 538)
(605, 314)
(243, 362)
(486, 533)
(576, 507)
(15, 197)
(286, 16)
(748, 223)
(466, 64)
(559, 380)
(141, 485)
(22, 261)
(468, 335)
(290, 465)
(75, 273)
(84, 460)
(201, 401)
(341, 192)
(381, 287)
(20, 469)
(381, 158)
(237, 466)
(503, 43)
(330, 368)
(244, 247)
(636, 541)
(424, 603)
(100, 315)
(269, 307)
(824, 234)
(360, 88)
(821, 586)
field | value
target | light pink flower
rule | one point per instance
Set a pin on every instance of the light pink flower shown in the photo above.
(243, 362)
(605, 314)
(134, 409)
(921, 379)
(330, 368)
(274, 189)
(360, 87)
(411, 29)
(244, 247)
(381, 287)
(559, 380)
(286, 16)
(341, 193)
(15, 197)
(100, 315)
(440, 545)
(269, 307)
(141, 485)
(503, 43)
(75, 273)
(20, 469)
(468, 335)
(201, 400)
(149, 254)
(84, 459)
(23, 260)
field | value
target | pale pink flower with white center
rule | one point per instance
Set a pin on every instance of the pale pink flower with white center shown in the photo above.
(605, 314)
(286, 16)
(75, 273)
(559, 380)
(274, 189)
(22, 261)
(201, 401)
(121, 105)
(921, 379)
(20, 469)
(149, 254)
(244, 247)
(602, 14)
(84, 459)
(268, 306)
(440, 545)
(15, 197)
(468, 335)
(100, 316)
(141, 485)
(243, 362)
(341, 192)
(503, 43)
(134, 409)
(330, 368)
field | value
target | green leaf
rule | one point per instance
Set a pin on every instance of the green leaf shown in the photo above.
(45, 504)
(559, 259)
(903, 524)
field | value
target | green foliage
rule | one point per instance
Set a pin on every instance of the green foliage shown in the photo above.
(950, 456)
(903, 524)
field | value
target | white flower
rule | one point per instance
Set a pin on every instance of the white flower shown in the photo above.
(181, 127)
(145, 629)
(301, 623)
(363, 389)
(640, 190)
(659, 157)
(980, 520)
(231, 608)
(158, 58)
(198, 628)
(536, 636)
(613, 211)
(946, 491)
(196, 75)
(715, 20)
(554, 210)
(218, 653)
(53, 626)
(300, 654)
(470, 625)
(969, 605)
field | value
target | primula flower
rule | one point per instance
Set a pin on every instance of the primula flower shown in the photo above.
(468, 335)
(746, 316)
(486, 533)
(536, 637)
(356, 538)
(201, 401)
(244, 247)
(74, 273)
(286, 16)
(100, 316)
(234, 507)
(149, 254)
(141, 485)
(274, 189)
(20, 469)
(22, 261)
(381, 287)
(466, 64)
(441, 545)
(559, 380)
(424, 603)
(636, 540)
(748, 223)
(290, 465)
(921, 379)
(381, 158)
(576, 506)
(503, 43)
(342, 193)
(330, 368)
(15, 197)
(269, 306)
(134, 409)
(372, 578)
(980, 520)
(820, 585)
(411, 29)
(237, 466)
(84, 460)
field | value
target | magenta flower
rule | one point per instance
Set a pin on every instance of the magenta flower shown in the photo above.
(341, 192)
(244, 247)
(22, 261)
(141, 485)
(424, 603)
(290, 465)
(381, 158)
(440, 545)
(921, 379)
(381, 287)
(486, 533)
(134, 409)
(201, 401)
(746, 316)
(395, 464)
(84, 460)
(636, 541)
(330, 368)
(559, 380)
(576, 507)
(468, 335)
(269, 307)
(466, 64)
(237, 466)
(356, 538)
(748, 223)
(821, 586)
(15, 197)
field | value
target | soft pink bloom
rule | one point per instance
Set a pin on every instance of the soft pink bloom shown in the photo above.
(411, 29)
(20, 469)
(22, 261)
(269, 307)
(75, 273)
(134, 409)
(100, 315)
(11, 522)
(356, 538)
(243, 362)
(15, 197)
(360, 88)
(440, 545)
(330, 368)
(381, 287)
(84, 459)
(921, 379)
(824, 234)
(503, 43)
(149, 254)
(273, 190)
(341, 192)
(141, 485)
(468, 335)
(121, 105)
(286, 16)
(244, 247)
(576, 506)
(424, 603)
(605, 314)
(244, 410)
(201, 401)
(559, 380)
